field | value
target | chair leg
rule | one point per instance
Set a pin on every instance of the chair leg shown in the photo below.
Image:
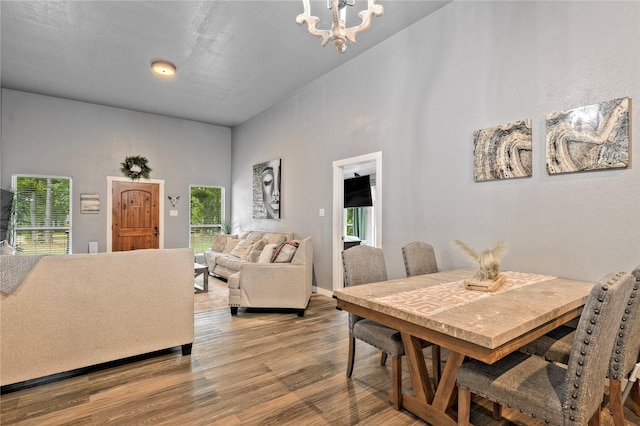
(435, 360)
(497, 411)
(595, 419)
(352, 354)
(383, 358)
(395, 396)
(615, 402)
(464, 406)
(635, 397)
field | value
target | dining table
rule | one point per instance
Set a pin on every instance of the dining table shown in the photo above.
(482, 325)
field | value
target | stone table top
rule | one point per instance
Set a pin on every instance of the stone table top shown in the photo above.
(440, 302)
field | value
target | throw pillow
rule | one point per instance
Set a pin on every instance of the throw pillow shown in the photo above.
(241, 248)
(230, 245)
(284, 252)
(219, 241)
(265, 255)
(275, 238)
(257, 246)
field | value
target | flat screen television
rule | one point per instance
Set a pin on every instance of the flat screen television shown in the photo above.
(357, 192)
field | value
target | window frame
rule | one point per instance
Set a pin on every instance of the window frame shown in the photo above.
(13, 227)
(223, 199)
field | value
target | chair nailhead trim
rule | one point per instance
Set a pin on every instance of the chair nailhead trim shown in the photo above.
(584, 349)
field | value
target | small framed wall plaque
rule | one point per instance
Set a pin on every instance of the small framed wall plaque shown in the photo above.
(89, 203)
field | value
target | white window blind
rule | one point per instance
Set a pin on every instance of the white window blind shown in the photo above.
(41, 219)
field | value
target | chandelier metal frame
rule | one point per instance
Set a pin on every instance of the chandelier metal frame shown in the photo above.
(339, 33)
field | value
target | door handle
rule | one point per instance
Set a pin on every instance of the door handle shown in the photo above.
(155, 229)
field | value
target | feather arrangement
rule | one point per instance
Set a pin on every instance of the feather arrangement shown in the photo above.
(488, 277)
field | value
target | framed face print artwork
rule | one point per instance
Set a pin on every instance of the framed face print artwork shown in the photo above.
(266, 190)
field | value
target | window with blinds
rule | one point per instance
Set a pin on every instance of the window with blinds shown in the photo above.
(41, 218)
(206, 210)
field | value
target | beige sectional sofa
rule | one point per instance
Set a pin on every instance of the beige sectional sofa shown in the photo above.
(282, 277)
(74, 311)
(229, 252)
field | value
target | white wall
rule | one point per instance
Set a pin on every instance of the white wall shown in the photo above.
(419, 96)
(52, 136)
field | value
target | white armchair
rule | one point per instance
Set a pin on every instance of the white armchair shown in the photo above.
(274, 285)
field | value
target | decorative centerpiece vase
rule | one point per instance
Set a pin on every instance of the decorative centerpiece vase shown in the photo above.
(488, 276)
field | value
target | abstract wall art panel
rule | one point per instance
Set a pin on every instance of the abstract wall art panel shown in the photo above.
(502, 152)
(593, 137)
(266, 190)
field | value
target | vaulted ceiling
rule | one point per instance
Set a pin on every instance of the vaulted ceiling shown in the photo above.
(235, 58)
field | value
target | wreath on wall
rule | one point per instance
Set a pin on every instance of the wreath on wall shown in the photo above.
(135, 167)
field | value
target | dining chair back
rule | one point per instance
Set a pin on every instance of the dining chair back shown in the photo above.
(363, 265)
(419, 258)
(555, 346)
(547, 391)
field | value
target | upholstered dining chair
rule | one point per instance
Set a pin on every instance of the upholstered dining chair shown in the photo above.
(547, 391)
(420, 259)
(555, 346)
(362, 265)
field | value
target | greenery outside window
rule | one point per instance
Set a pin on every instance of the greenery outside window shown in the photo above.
(41, 217)
(356, 222)
(349, 221)
(206, 210)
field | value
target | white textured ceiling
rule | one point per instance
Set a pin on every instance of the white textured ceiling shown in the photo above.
(234, 58)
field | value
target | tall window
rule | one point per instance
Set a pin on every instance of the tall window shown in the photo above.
(349, 221)
(41, 214)
(206, 211)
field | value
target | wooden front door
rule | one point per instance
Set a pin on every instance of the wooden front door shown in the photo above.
(135, 216)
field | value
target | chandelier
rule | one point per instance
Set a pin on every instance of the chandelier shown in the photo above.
(339, 33)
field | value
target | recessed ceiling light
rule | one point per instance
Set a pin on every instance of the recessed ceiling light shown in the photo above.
(164, 68)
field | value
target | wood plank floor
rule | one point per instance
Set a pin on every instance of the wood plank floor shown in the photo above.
(259, 368)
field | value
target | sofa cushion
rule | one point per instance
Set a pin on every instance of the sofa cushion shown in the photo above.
(284, 252)
(279, 253)
(242, 248)
(229, 261)
(219, 242)
(233, 263)
(265, 254)
(254, 236)
(256, 247)
(230, 245)
(273, 238)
